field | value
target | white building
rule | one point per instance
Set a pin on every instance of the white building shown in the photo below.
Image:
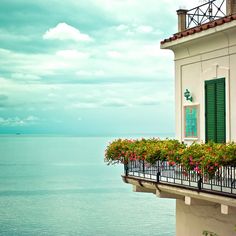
(205, 96)
(205, 58)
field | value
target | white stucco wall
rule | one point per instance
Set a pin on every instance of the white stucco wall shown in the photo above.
(203, 216)
(207, 55)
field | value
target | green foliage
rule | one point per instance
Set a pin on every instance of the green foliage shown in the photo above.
(201, 158)
(208, 233)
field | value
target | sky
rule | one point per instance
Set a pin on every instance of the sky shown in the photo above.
(87, 67)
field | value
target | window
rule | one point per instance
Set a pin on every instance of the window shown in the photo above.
(191, 121)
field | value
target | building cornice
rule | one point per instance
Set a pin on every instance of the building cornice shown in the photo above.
(199, 32)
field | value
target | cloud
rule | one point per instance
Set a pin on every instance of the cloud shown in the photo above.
(24, 76)
(144, 29)
(81, 105)
(16, 121)
(9, 36)
(148, 101)
(114, 54)
(64, 31)
(131, 29)
(3, 100)
(72, 54)
(90, 73)
(115, 102)
(3, 97)
(122, 27)
(155, 99)
(34, 67)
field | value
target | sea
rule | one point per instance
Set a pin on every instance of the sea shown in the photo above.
(53, 186)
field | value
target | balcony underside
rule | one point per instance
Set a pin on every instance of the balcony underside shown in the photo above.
(175, 191)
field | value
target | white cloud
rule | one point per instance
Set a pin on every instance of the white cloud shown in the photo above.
(114, 54)
(131, 29)
(115, 102)
(72, 54)
(122, 27)
(90, 73)
(16, 121)
(31, 119)
(144, 29)
(84, 73)
(82, 105)
(24, 76)
(99, 73)
(52, 95)
(33, 67)
(154, 99)
(64, 31)
(153, 50)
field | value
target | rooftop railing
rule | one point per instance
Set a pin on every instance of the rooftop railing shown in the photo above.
(222, 181)
(212, 10)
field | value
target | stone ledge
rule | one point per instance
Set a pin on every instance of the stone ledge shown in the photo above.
(176, 192)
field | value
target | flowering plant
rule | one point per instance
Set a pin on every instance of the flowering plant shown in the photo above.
(150, 150)
(204, 159)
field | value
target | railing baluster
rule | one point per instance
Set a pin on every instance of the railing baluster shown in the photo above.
(199, 183)
(158, 171)
(231, 179)
(126, 168)
(143, 169)
(189, 178)
(222, 177)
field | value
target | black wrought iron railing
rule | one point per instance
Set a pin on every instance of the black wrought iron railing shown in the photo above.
(222, 181)
(212, 10)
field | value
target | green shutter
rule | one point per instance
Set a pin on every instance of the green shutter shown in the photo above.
(215, 110)
(220, 111)
(210, 112)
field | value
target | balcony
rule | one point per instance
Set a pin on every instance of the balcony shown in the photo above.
(200, 168)
(222, 182)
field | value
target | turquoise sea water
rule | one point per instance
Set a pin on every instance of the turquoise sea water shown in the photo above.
(61, 186)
